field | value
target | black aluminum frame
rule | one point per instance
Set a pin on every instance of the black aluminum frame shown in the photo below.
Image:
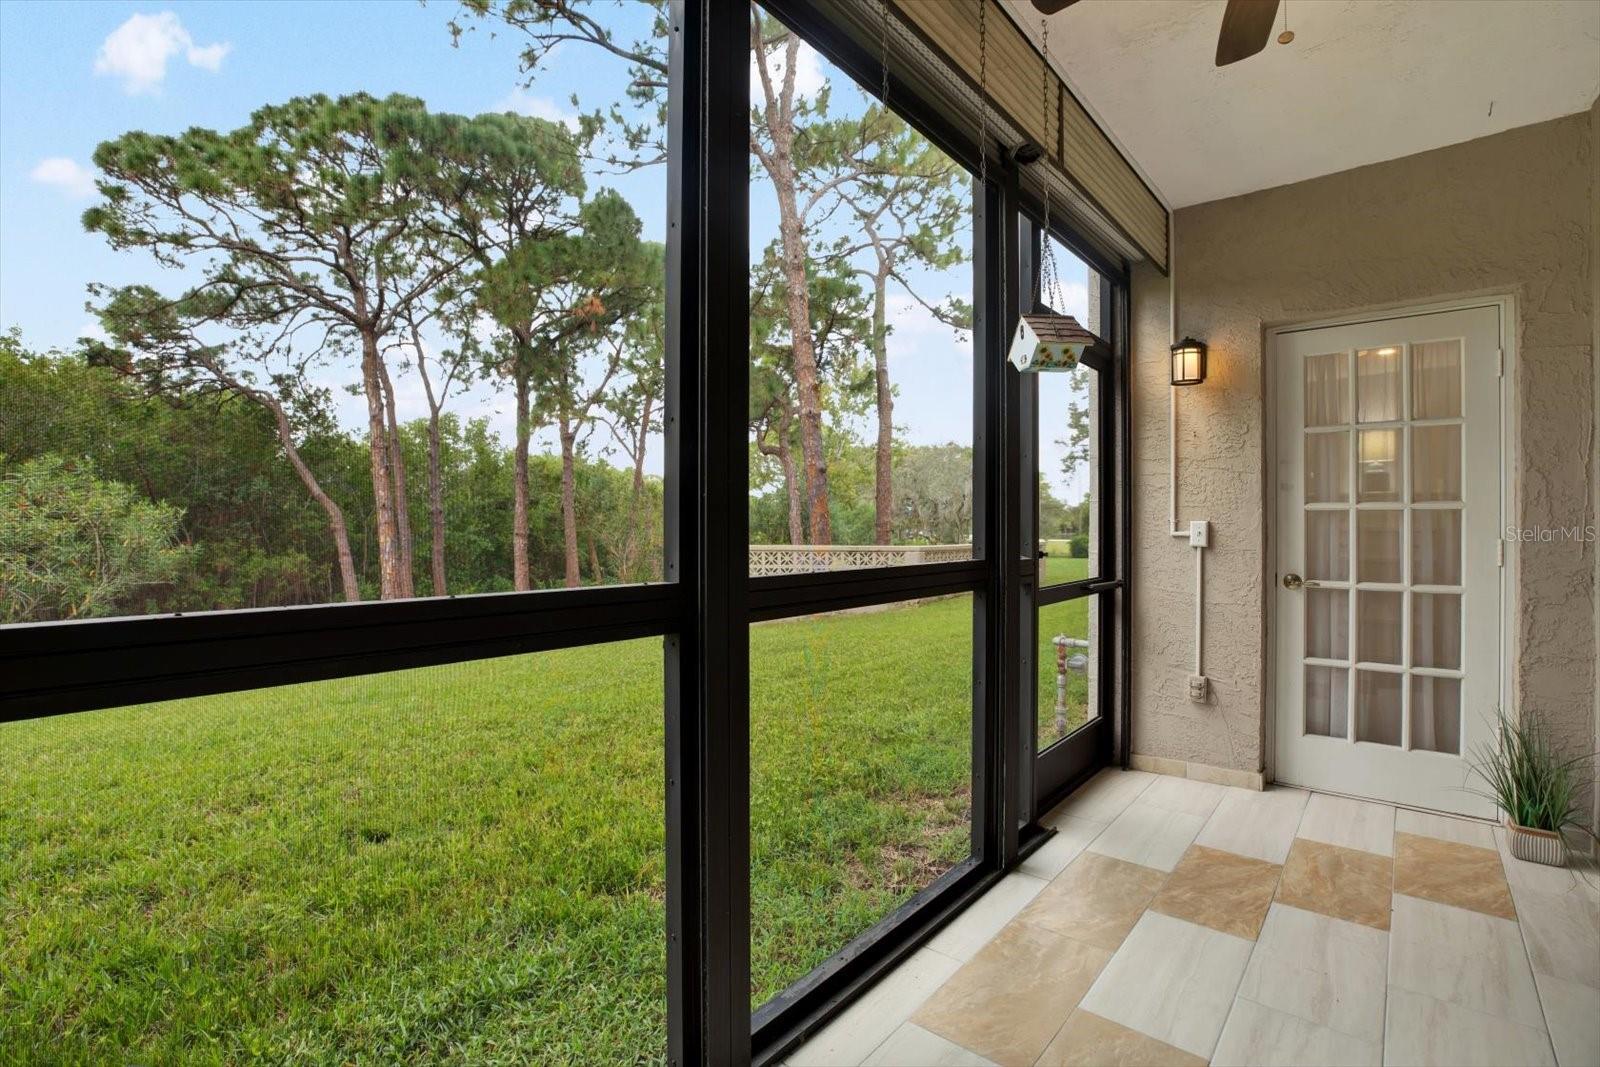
(704, 607)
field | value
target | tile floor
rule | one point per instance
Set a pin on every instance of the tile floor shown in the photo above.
(1171, 921)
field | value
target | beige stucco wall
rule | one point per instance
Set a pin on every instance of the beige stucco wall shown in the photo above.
(1509, 213)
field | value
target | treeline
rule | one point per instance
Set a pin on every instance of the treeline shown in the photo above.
(114, 502)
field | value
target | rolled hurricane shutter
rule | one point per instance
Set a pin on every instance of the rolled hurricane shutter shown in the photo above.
(1125, 211)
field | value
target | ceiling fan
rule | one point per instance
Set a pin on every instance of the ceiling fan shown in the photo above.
(1246, 25)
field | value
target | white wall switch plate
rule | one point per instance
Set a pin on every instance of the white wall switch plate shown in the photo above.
(1199, 688)
(1200, 533)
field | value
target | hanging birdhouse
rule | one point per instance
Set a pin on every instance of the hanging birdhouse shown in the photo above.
(1049, 342)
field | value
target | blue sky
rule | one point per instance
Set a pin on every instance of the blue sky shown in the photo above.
(74, 74)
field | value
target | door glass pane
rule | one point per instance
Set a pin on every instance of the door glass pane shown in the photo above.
(1436, 380)
(1328, 546)
(1436, 546)
(1378, 384)
(1328, 389)
(1327, 623)
(1436, 630)
(1378, 546)
(1378, 626)
(1068, 668)
(1435, 463)
(860, 297)
(462, 863)
(1379, 465)
(1378, 707)
(1328, 467)
(860, 777)
(1327, 701)
(1069, 474)
(1436, 714)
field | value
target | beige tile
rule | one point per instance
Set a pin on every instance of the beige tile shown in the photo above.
(912, 1046)
(1359, 824)
(1326, 971)
(1444, 827)
(1260, 825)
(868, 1022)
(1421, 1031)
(1009, 1000)
(1181, 794)
(1220, 890)
(1345, 883)
(1462, 957)
(1148, 835)
(1463, 876)
(1071, 837)
(1256, 1034)
(1104, 796)
(1087, 1040)
(1563, 934)
(1096, 900)
(1172, 980)
(974, 927)
(1572, 1012)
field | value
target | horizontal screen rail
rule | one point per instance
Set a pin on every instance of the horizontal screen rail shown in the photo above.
(53, 668)
(787, 595)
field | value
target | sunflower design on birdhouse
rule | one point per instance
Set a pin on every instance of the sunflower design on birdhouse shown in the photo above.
(1047, 342)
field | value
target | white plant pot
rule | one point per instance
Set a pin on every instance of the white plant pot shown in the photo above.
(1537, 846)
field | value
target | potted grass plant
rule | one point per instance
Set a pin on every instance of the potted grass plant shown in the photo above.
(1533, 785)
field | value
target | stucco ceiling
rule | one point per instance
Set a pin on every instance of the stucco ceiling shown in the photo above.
(1363, 81)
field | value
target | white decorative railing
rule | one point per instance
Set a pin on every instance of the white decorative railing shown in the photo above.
(810, 559)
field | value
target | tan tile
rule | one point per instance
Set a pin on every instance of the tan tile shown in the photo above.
(1011, 998)
(1345, 883)
(1087, 1040)
(1463, 876)
(1096, 900)
(1220, 890)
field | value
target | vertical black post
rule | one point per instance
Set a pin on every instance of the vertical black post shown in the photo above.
(1019, 747)
(707, 727)
(1025, 510)
(988, 665)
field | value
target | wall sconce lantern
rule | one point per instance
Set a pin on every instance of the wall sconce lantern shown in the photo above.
(1188, 362)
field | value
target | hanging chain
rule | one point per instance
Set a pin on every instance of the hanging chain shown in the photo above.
(983, 141)
(1049, 277)
(883, 54)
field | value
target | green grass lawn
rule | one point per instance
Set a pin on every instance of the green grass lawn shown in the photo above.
(460, 863)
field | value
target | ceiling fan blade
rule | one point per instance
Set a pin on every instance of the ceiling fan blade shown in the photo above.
(1050, 7)
(1246, 25)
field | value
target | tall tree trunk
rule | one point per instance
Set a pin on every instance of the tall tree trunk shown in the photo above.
(402, 499)
(435, 507)
(336, 523)
(630, 537)
(779, 165)
(880, 354)
(808, 391)
(785, 457)
(389, 561)
(594, 562)
(569, 499)
(519, 494)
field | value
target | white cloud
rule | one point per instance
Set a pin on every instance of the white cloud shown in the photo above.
(138, 50)
(808, 76)
(65, 174)
(522, 102)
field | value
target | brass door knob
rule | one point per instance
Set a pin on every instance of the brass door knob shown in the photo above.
(1292, 581)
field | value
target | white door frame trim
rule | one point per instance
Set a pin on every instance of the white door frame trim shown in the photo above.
(1510, 502)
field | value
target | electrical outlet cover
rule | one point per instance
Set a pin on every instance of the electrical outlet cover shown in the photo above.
(1199, 533)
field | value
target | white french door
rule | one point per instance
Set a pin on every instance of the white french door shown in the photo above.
(1388, 585)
